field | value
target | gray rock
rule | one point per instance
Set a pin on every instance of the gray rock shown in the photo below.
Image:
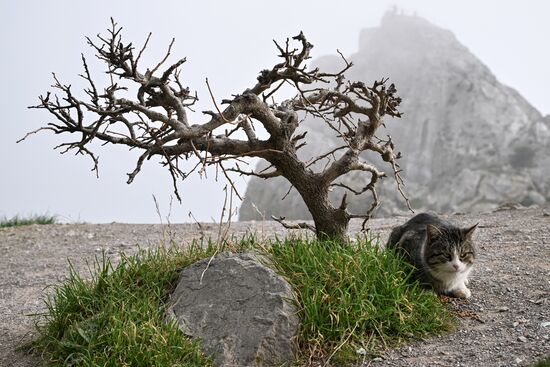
(469, 142)
(522, 339)
(240, 310)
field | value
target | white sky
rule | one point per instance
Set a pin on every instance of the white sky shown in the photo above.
(227, 41)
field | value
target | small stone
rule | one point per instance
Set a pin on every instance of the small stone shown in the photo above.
(522, 339)
(518, 360)
(377, 359)
(503, 309)
(515, 324)
(545, 324)
(361, 351)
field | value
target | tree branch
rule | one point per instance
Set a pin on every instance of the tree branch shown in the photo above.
(302, 225)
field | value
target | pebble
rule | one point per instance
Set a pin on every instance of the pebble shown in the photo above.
(545, 324)
(503, 309)
(522, 339)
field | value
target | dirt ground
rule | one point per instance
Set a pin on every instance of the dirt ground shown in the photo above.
(505, 323)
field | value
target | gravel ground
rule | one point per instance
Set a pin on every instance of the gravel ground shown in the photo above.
(505, 323)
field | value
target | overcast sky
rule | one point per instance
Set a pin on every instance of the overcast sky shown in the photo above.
(227, 41)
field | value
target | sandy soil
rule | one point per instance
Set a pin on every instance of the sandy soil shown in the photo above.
(506, 323)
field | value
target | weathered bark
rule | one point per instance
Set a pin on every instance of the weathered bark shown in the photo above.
(330, 223)
(353, 110)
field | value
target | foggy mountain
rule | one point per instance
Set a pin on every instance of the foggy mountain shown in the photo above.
(469, 143)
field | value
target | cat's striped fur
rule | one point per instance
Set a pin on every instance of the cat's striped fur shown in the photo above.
(442, 253)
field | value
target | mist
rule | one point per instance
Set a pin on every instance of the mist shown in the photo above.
(228, 43)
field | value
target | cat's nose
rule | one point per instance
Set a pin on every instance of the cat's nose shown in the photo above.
(455, 266)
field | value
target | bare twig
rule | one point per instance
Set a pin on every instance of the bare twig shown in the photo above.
(215, 104)
(302, 225)
(142, 49)
(165, 57)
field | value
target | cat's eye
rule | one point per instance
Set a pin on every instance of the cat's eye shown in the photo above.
(465, 255)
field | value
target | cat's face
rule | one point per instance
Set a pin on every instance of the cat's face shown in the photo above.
(450, 251)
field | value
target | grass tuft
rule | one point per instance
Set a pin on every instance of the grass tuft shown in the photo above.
(358, 296)
(17, 221)
(116, 318)
(353, 297)
(545, 362)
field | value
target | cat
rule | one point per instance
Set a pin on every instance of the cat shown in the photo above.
(442, 253)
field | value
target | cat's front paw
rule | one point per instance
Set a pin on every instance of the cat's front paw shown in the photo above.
(462, 293)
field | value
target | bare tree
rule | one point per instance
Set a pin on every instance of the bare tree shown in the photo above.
(156, 123)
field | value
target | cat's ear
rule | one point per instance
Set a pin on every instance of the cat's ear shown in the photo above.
(432, 231)
(469, 231)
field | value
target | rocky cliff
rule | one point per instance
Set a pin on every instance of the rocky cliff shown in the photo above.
(469, 142)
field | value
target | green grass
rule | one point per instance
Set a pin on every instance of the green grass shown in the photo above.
(24, 221)
(357, 296)
(543, 362)
(115, 318)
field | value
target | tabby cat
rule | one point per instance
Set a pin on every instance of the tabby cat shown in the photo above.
(442, 253)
